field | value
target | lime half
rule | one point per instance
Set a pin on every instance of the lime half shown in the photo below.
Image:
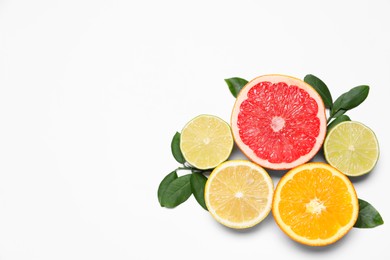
(206, 141)
(352, 148)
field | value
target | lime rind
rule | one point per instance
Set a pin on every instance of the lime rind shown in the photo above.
(352, 148)
(206, 141)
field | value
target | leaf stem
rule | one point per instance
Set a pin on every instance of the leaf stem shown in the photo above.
(330, 118)
(337, 114)
(194, 170)
(184, 168)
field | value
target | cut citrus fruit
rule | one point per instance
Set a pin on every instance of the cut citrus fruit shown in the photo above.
(206, 141)
(278, 121)
(315, 204)
(352, 148)
(238, 194)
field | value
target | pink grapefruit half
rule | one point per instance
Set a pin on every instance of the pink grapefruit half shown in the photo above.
(278, 121)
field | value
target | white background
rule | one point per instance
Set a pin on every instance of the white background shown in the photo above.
(91, 93)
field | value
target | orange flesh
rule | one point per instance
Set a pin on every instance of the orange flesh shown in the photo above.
(315, 204)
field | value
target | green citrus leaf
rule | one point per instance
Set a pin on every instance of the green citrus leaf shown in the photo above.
(198, 182)
(321, 88)
(164, 185)
(235, 85)
(338, 120)
(339, 113)
(368, 217)
(175, 147)
(178, 191)
(350, 99)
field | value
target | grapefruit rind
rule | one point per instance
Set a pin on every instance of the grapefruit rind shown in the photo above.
(287, 229)
(267, 207)
(276, 78)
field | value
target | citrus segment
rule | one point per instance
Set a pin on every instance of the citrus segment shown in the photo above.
(278, 121)
(315, 204)
(238, 194)
(206, 141)
(352, 148)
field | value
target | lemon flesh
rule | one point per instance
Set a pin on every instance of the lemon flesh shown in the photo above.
(238, 194)
(352, 148)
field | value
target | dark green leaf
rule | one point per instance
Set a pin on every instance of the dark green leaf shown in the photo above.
(175, 147)
(338, 120)
(350, 99)
(368, 217)
(164, 185)
(235, 85)
(339, 113)
(337, 105)
(198, 182)
(321, 88)
(178, 191)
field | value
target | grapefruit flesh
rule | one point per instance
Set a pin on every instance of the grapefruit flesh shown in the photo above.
(278, 121)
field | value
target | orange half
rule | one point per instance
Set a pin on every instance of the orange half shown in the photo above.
(315, 204)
